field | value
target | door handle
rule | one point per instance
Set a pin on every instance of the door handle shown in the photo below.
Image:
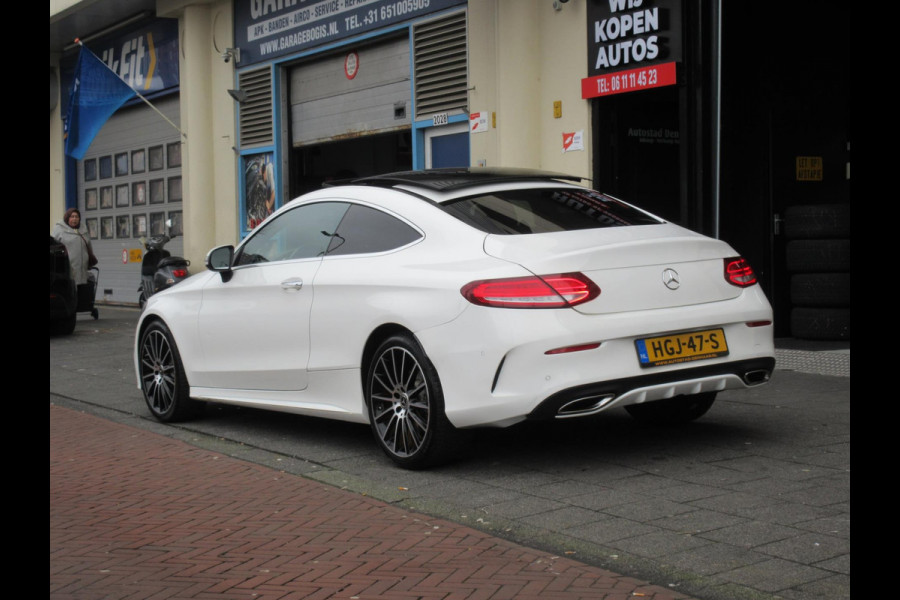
(292, 284)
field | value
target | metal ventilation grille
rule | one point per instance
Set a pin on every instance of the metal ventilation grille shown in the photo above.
(441, 67)
(256, 110)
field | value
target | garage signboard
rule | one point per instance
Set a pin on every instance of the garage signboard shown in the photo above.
(268, 29)
(632, 45)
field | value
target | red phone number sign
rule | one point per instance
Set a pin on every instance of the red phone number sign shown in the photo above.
(643, 78)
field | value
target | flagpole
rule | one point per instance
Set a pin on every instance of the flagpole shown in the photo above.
(137, 93)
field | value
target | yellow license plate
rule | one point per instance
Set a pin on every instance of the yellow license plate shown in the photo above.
(681, 347)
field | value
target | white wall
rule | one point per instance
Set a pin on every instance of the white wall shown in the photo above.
(57, 178)
(208, 120)
(524, 55)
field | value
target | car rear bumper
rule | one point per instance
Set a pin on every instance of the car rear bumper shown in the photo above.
(506, 374)
(592, 398)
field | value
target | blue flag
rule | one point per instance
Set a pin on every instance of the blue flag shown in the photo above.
(97, 92)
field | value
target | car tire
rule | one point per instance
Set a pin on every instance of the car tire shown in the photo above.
(163, 382)
(406, 405)
(820, 289)
(817, 221)
(681, 409)
(67, 325)
(820, 323)
(64, 326)
(818, 256)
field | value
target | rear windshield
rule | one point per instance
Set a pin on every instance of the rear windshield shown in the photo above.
(545, 211)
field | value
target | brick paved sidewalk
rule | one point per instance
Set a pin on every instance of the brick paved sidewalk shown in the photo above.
(137, 515)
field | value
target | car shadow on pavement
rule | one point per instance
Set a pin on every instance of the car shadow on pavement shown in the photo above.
(610, 436)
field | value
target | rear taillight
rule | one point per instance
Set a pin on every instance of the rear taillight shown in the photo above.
(180, 273)
(546, 291)
(739, 272)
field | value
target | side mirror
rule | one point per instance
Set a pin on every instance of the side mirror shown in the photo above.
(219, 259)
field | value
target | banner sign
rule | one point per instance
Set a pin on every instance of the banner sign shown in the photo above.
(632, 45)
(145, 58)
(268, 29)
(96, 94)
(629, 81)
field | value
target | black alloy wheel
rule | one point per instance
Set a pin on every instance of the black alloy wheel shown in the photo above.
(163, 381)
(406, 408)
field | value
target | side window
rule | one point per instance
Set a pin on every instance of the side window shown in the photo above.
(302, 232)
(367, 230)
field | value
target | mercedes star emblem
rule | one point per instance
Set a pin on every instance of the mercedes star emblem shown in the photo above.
(670, 279)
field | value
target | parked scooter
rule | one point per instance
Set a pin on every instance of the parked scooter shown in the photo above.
(159, 269)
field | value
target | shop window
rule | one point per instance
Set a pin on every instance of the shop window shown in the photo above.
(177, 223)
(139, 193)
(156, 158)
(90, 169)
(139, 225)
(90, 199)
(122, 196)
(106, 228)
(122, 164)
(105, 167)
(106, 197)
(157, 191)
(123, 226)
(173, 155)
(174, 189)
(92, 228)
(157, 223)
(137, 161)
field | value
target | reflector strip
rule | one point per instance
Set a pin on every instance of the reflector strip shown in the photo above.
(577, 348)
(758, 323)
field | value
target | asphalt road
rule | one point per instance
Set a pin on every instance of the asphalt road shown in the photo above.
(752, 501)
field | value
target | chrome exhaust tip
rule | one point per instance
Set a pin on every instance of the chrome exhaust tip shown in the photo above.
(582, 407)
(756, 377)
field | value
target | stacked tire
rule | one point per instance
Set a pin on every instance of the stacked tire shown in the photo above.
(818, 258)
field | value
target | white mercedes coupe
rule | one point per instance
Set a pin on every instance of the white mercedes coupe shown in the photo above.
(431, 302)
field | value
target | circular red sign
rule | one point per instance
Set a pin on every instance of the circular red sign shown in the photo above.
(351, 65)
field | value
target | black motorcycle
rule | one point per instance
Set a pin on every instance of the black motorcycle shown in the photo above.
(159, 269)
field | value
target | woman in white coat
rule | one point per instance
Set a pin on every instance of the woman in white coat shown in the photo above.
(81, 254)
